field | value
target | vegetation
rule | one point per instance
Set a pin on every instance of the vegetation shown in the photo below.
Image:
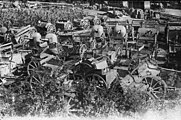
(59, 94)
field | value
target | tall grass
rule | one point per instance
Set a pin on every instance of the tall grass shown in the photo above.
(23, 17)
(54, 97)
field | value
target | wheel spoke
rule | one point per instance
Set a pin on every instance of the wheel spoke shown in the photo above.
(154, 95)
(156, 92)
(31, 66)
(100, 88)
(89, 78)
(43, 79)
(31, 70)
(146, 81)
(93, 77)
(155, 84)
(33, 83)
(157, 88)
(36, 64)
(151, 82)
(36, 79)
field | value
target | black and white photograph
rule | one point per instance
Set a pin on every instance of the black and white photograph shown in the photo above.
(90, 60)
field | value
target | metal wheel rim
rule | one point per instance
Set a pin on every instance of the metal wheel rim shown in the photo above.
(100, 80)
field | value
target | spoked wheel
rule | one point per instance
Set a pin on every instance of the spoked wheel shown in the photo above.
(32, 67)
(77, 78)
(96, 86)
(83, 68)
(74, 98)
(38, 80)
(79, 72)
(156, 88)
(95, 92)
(96, 80)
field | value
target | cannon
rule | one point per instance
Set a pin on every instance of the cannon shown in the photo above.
(22, 35)
(119, 39)
(10, 59)
(44, 26)
(64, 25)
(144, 75)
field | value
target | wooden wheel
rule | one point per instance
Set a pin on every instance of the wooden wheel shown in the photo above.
(96, 83)
(39, 80)
(156, 87)
(33, 65)
(83, 68)
(77, 78)
(95, 91)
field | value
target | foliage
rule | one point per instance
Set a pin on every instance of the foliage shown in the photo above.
(23, 17)
(59, 94)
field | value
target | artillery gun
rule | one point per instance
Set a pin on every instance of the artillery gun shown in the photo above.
(145, 77)
(89, 21)
(44, 26)
(22, 35)
(10, 59)
(100, 73)
(64, 25)
(118, 35)
(85, 23)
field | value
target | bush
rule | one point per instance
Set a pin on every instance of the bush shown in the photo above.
(132, 101)
(58, 97)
